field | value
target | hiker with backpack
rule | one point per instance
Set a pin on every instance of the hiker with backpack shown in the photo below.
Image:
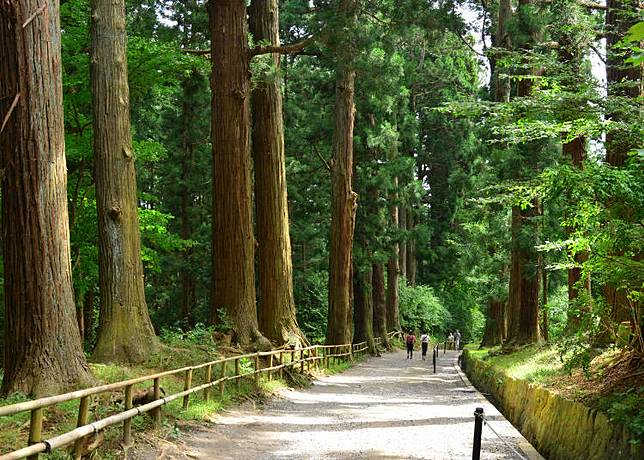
(424, 343)
(410, 340)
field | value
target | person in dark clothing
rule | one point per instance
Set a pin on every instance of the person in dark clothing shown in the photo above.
(411, 340)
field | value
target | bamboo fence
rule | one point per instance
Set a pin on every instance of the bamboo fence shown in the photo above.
(302, 358)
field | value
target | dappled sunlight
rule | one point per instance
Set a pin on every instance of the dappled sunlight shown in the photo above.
(384, 410)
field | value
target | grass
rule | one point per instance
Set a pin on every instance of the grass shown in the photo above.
(535, 363)
(178, 351)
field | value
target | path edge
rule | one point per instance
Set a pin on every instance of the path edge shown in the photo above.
(527, 448)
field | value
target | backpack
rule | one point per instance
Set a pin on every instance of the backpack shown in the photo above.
(410, 338)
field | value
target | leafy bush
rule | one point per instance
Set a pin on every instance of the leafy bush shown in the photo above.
(311, 300)
(628, 408)
(422, 310)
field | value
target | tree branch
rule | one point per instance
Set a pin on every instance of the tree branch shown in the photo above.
(315, 149)
(469, 46)
(292, 48)
(192, 51)
(599, 55)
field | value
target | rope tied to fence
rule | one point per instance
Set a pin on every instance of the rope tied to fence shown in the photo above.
(486, 422)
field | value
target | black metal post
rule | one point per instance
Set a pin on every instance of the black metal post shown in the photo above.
(434, 353)
(478, 428)
(444, 346)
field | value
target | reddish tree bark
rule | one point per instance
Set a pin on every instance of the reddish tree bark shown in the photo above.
(42, 350)
(379, 302)
(276, 302)
(523, 303)
(343, 199)
(233, 243)
(363, 308)
(125, 332)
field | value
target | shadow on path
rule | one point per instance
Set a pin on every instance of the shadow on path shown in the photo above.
(384, 408)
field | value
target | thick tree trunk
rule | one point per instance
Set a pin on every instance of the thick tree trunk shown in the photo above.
(343, 198)
(493, 334)
(125, 333)
(42, 350)
(363, 308)
(276, 303)
(623, 80)
(233, 244)
(402, 246)
(343, 204)
(523, 299)
(379, 302)
(393, 317)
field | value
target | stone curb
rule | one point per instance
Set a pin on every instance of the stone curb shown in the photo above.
(527, 448)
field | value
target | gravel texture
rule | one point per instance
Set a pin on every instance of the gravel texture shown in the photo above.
(384, 408)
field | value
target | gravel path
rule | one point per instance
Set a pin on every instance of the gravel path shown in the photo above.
(384, 408)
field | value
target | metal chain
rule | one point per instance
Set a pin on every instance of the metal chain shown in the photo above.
(486, 422)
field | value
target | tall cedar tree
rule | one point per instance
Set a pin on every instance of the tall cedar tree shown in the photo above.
(343, 199)
(624, 81)
(363, 307)
(379, 302)
(233, 243)
(393, 268)
(571, 55)
(42, 352)
(495, 324)
(276, 303)
(125, 333)
(523, 297)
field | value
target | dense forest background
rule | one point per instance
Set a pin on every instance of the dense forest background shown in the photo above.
(497, 185)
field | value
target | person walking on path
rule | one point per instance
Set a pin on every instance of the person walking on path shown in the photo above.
(450, 341)
(411, 340)
(457, 340)
(424, 343)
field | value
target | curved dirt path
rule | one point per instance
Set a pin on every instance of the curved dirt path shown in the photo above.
(384, 408)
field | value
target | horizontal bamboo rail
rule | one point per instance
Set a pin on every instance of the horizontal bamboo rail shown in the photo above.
(314, 353)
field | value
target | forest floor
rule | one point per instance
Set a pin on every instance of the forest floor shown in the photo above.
(384, 408)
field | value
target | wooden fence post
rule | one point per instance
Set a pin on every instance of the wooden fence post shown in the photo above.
(157, 394)
(222, 384)
(270, 364)
(281, 364)
(187, 384)
(83, 410)
(237, 373)
(206, 391)
(127, 424)
(302, 360)
(35, 429)
(257, 368)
